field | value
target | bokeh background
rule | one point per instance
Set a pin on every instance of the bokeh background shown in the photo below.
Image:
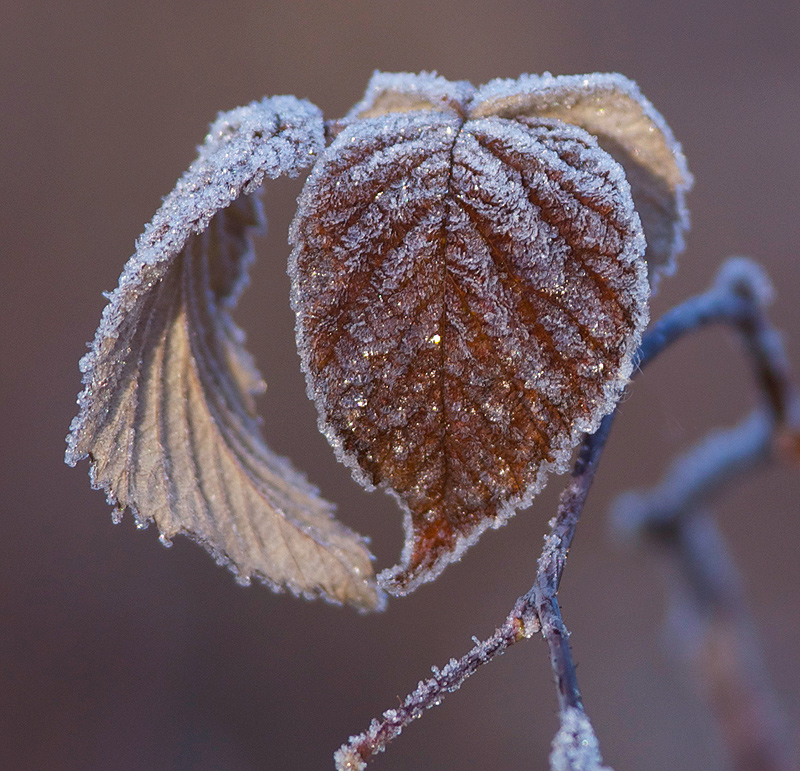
(118, 654)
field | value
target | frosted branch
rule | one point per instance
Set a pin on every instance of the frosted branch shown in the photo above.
(738, 298)
(710, 620)
(354, 755)
(709, 617)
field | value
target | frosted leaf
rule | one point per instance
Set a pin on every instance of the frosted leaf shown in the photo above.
(405, 92)
(575, 746)
(167, 415)
(469, 296)
(626, 125)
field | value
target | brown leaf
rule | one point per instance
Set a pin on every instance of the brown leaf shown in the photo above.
(167, 417)
(469, 296)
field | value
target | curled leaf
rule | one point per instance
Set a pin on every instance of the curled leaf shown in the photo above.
(167, 416)
(613, 110)
(469, 296)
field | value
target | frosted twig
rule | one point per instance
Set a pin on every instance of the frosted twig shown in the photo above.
(354, 755)
(706, 591)
(738, 298)
(705, 587)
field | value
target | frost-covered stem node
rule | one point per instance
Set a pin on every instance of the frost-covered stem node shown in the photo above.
(737, 298)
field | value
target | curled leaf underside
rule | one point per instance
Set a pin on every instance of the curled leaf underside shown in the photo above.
(167, 416)
(469, 296)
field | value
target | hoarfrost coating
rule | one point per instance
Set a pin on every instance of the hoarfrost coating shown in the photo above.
(575, 746)
(470, 276)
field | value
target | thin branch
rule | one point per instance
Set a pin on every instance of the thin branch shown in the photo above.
(709, 609)
(706, 588)
(354, 755)
(737, 298)
(695, 477)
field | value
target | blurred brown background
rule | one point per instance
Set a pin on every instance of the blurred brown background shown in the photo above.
(118, 654)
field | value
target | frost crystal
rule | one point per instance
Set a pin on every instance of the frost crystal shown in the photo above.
(575, 746)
